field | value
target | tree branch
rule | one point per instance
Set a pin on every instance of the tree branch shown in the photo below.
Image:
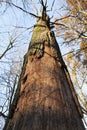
(10, 3)
(52, 4)
(32, 2)
(3, 115)
(8, 48)
(60, 24)
(77, 51)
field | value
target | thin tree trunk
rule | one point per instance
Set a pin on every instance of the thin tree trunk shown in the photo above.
(45, 98)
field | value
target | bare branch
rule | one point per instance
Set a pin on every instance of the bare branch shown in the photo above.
(76, 52)
(3, 115)
(63, 18)
(10, 3)
(41, 2)
(10, 45)
(13, 90)
(45, 3)
(60, 24)
(32, 2)
(52, 5)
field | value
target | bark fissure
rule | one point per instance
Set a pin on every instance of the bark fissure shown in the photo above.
(44, 99)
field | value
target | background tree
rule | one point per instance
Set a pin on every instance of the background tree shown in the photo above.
(73, 29)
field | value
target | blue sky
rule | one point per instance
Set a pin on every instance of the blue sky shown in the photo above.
(15, 17)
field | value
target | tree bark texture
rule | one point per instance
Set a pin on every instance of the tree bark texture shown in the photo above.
(45, 98)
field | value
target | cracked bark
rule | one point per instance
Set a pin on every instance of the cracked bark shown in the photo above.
(45, 98)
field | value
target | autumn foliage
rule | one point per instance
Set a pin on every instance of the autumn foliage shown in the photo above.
(73, 30)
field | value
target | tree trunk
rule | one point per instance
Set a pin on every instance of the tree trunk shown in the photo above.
(45, 99)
